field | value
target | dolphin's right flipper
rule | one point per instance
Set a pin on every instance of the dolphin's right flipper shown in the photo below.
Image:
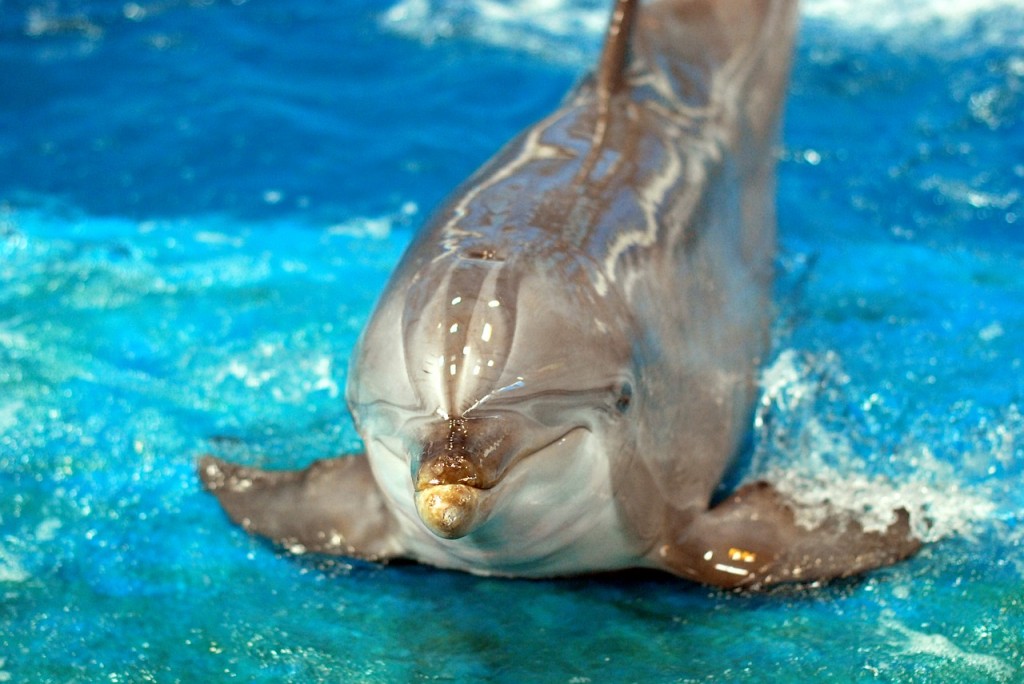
(333, 506)
(752, 539)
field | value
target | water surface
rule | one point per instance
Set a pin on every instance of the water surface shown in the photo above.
(199, 202)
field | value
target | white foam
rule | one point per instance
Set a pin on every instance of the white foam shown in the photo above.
(287, 368)
(9, 412)
(213, 237)
(569, 30)
(558, 30)
(11, 568)
(885, 16)
(1015, 540)
(376, 227)
(46, 21)
(917, 643)
(47, 529)
(817, 462)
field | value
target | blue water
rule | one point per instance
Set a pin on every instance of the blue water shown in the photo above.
(199, 202)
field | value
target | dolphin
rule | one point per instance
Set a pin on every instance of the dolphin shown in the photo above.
(564, 363)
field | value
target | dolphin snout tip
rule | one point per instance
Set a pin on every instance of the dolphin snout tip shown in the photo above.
(450, 511)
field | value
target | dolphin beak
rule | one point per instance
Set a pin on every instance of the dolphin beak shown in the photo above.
(450, 510)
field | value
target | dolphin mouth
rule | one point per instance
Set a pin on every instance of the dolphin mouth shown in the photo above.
(454, 509)
(450, 511)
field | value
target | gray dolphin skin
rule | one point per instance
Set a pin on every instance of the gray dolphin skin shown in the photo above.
(563, 365)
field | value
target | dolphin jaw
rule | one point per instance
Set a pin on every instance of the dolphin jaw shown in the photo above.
(450, 511)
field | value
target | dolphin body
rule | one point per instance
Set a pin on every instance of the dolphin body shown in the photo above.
(562, 367)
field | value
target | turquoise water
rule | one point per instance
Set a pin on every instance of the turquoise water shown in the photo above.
(199, 202)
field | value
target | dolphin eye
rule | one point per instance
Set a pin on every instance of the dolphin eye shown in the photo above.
(625, 397)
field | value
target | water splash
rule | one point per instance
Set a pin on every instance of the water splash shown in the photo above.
(883, 18)
(828, 458)
(557, 30)
(569, 30)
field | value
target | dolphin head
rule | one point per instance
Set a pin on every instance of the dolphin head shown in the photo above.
(485, 383)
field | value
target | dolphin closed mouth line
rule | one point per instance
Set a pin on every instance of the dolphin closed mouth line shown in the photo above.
(452, 510)
(564, 364)
(474, 483)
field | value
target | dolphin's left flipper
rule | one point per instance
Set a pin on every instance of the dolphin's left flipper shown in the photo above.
(752, 539)
(333, 506)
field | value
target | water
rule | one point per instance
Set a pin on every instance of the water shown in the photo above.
(200, 201)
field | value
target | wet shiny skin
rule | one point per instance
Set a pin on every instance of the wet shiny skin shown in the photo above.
(563, 364)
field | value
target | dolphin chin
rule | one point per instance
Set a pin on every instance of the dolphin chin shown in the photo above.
(451, 511)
